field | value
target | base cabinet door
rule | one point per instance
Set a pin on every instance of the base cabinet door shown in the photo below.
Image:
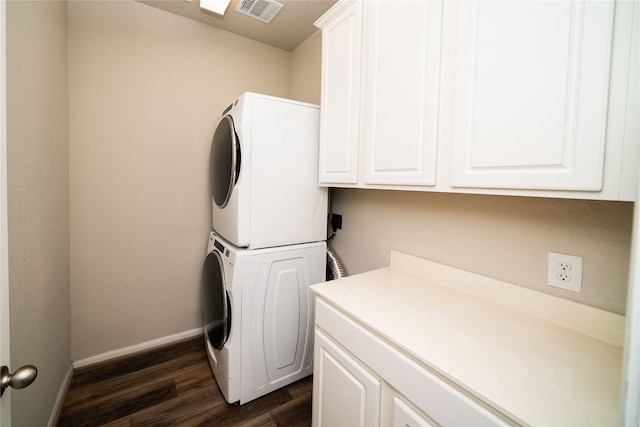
(345, 393)
(405, 416)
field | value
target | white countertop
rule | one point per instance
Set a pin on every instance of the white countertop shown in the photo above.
(539, 359)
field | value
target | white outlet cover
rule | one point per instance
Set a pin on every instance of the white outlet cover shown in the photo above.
(563, 266)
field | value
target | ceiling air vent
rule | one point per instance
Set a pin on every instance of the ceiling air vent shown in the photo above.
(262, 10)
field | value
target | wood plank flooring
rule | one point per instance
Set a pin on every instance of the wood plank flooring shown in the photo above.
(173, 386)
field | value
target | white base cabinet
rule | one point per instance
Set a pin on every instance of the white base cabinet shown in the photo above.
(403, 415)
(361, 380)
(347, 393)
(419, 343)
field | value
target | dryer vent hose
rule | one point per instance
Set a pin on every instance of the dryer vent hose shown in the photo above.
(335, 269)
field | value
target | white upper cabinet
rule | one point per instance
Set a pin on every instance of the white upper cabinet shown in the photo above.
(402, 77)
(531, 92)
(530, 98)
(379, 97)
(340, 94)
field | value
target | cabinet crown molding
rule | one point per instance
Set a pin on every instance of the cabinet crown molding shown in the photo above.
(335, 11)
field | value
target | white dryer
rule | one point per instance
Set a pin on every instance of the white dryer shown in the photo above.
(264, 173)
(258, 315)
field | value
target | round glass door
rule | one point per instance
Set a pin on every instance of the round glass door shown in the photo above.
(215, 302)
(224, 163)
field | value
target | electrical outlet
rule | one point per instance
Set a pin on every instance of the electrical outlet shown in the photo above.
(565, 271)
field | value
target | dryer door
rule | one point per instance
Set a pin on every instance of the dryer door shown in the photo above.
(215, 301)
(224, 162)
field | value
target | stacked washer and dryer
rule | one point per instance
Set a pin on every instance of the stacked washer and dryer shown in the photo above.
(268, 245)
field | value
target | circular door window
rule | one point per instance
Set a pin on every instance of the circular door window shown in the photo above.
(224, 162)
(215, 302)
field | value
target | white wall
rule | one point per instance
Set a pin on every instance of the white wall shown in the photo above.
(38, 202)
(146, 88)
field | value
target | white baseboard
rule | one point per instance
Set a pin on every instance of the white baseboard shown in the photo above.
(57, 408)
(138, 347)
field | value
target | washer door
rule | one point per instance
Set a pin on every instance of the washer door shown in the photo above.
(216, 307)
(224, 162)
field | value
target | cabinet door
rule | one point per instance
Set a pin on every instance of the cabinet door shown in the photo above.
(340, 97)
(344, 392)
(405, 416)
(402, 73)
(531, 90)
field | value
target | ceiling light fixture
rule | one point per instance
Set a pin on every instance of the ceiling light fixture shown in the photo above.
(215, 6)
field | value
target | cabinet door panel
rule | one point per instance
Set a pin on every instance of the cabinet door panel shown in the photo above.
(404, 416)
(340, 97)
(344, 392)
(402, 72)
(530, 103)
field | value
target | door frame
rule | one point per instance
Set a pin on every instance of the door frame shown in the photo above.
(5, 402)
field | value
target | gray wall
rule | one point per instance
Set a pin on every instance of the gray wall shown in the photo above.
(506, 238)
(146, 88)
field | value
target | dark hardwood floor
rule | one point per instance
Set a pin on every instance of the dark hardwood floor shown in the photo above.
(173, 386)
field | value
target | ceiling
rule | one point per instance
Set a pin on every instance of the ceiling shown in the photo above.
(288, 29)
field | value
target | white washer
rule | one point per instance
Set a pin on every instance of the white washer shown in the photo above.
(264, 173)
(258, 315)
